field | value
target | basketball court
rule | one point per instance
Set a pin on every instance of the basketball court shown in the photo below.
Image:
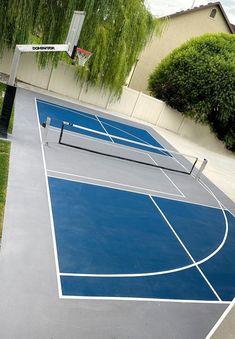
(116, 239)
(109, 232)
(97, 246)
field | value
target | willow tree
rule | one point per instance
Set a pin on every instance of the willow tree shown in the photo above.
(115, 31)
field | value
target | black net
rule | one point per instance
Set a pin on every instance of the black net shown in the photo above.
(124, 149)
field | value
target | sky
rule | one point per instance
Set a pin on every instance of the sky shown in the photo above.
(166, 7)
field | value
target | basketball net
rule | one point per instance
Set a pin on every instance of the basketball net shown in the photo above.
(83, 56)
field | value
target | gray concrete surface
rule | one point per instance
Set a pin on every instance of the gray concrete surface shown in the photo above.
(30, 306)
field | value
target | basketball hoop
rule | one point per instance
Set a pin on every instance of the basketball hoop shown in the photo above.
(83, 56)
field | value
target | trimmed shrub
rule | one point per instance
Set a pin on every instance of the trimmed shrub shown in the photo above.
(198, 79)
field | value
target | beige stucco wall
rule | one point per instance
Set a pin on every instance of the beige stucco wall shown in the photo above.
(178, 30)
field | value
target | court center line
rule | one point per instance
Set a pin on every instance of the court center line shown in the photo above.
(110, 182)
(185, 248)
(132, 135)
(168, 177)
(104, 128)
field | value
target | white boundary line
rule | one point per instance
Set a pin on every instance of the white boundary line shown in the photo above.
(195, 203)
(73, 110)
(109, 182)
(49, 207)
(221, 319)
(182, 301)
(129, 190)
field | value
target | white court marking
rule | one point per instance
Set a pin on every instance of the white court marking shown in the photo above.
(104, 128)
(185, 248)
(50, 208)
(128, 188)
(182, 194)
(183, 301)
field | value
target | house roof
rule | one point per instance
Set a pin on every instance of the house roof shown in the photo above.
(210, 4)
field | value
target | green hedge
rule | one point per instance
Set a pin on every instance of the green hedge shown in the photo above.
(198, 79)
(4, 164)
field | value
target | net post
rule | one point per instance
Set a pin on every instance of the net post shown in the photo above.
(46, 126)
(202, 167)
(61, 132)
(194, 164)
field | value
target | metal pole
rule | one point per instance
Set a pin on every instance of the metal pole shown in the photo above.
(11, 88)
(203, 165)
(47, 125)
(14, 66)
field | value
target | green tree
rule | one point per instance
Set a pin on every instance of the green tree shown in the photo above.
(198, 79)
(114, 30)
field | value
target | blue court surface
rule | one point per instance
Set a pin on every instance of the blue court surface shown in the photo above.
(96, 123)
(120, 244)
(113, 243)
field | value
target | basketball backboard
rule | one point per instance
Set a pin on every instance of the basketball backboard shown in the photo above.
(74, 32)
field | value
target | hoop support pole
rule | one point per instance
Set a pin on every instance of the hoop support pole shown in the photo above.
(11, 88)
(33, 49)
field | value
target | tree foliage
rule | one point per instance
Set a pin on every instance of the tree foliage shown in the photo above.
(198, 79)
(114, 30)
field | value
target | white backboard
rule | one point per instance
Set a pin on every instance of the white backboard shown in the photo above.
(74, 31)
